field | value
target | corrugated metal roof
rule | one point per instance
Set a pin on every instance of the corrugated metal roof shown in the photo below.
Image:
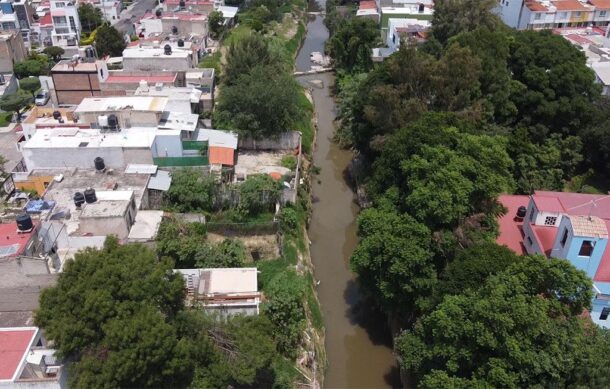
(160, 181)
(137, 168)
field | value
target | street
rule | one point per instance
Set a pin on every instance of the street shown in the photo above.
(132, 13)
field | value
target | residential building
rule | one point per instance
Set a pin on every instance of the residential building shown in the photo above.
(400, 30)
(175, 23)
(111, 9)
(128, 111)
(66, 25)
(8, 19)
(194, 6)
(179, 99)
(75, 80)
(24, 13)
(8, 84)
(222, 146)
(26, 362)
(157, 58)
(202, 79)
(226, 291)
(12, 50)
(546, 14)
(41, 117)
(368, 9)
(41, 32)
(571, 226)
(17, 242)
(123, 83)
(602, 75)
(405, 9)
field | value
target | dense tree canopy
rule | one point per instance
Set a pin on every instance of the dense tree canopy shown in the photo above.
(55, 52)
(16, 102)
(103, 324)
(517, 330)
(452, 17)
(261, 103)
(109, 41)
(249, 52)
(90, 17)
(352, 43)
(30, 84)
(33, 66)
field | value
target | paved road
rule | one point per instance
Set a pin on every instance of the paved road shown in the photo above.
(128, 16)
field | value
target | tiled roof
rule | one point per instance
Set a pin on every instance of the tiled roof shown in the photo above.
(600, 4)
(535, 6)
(569, 5)
(589, 226)
(221, 155)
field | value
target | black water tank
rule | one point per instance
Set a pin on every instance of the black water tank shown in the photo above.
(182, 4)
(113, 121)
(421, 8)
(89, 53)
(24, 222)
(521, 211)
(90, 196)
(167, 49)
(180, 43)
(56, 115)
(99, 163)
(79, 199)
(174, 30)
(158, 12)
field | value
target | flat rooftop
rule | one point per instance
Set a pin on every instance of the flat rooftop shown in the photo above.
(70, 66)
(12, 241)
(135, 137)
(151, 52)
(41, 116)
(113, 104)
(115, 78)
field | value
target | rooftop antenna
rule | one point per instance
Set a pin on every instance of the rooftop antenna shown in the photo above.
(593, 205)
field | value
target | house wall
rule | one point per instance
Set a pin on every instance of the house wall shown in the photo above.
(127, 118)
(531, 244)
(159, 63)
(168, 145)
(598, 304)
(72, 87)
(105, 226)
(11, 86)
(12, 50)
(115, 157)
(540, 218)
(37, 183)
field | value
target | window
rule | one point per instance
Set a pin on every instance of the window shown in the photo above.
(529, 241)
(60, 5)
(604, 314)
(563, 15)
(83, 144)
(72, 24)
(586, 248)
(602, 14)
(550, 220)
(564, 238)
(532, 214)
(577, 14)
(537, 16)
(59, 20)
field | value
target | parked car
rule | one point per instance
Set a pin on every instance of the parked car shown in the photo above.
(42, 97)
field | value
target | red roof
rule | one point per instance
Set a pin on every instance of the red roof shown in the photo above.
(603, 270)
(569, 5)
(545, 235)
(535, 6)
(190, 2)
(511, 233)
(579, 39)
(9, 237)
(600, 4)
(119, 79)
(367, 4)
(221, 155)
(14, 344)
(548, 204)
(46, 20)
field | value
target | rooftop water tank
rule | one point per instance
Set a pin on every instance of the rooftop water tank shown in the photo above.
(99, 164)
(79, 199)
(167, 49)
(24, 222)
(90, 196)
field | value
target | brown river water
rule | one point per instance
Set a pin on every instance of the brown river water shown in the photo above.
(358, 342)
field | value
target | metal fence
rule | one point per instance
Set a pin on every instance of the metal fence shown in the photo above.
(181, 161)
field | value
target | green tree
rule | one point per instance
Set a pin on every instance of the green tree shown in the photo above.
(191, 191)
(553, 87)
(109, 41)
(30, 84)
(351, 44)
(393, 260)
(16, 102)
(260, 104)
(249, 52)
(90, 17)
(519, 329)
(452, 17)
(284, 307)
(111, 313)
(216, 23)
(258, 193)
(31, 68)
(56, 52)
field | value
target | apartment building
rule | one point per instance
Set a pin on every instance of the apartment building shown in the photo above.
(12, 50)
(545, 14)
(66, 24)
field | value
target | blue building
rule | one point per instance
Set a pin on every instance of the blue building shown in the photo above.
(571, 226)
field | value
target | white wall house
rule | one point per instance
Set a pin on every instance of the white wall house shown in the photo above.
(66, 24)
(545, 14)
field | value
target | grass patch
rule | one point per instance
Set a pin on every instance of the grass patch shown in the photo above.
(237, 34)
(314, 307)
(212, 61)
(292, 46)
(290, 253)
(289, 162)
(5, 118)
(268, 271)
(305, 126)
(231, 216)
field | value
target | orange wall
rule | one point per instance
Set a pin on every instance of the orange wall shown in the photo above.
(35, 183)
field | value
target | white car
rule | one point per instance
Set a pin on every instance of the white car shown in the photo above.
(42, 97)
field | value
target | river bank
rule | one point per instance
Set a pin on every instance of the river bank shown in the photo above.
(358, 343)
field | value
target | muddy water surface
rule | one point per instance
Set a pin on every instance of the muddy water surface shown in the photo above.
(358, 343)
